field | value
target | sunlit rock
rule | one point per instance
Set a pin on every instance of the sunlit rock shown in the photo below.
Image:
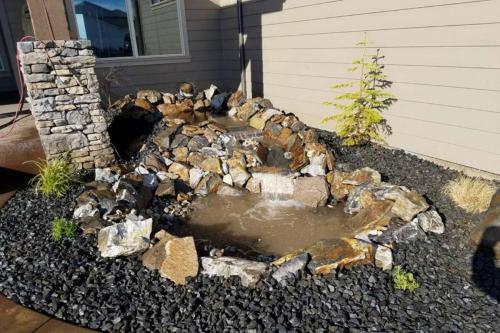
(249, 271)
(311, 191)
(122, 239)
(430, 221)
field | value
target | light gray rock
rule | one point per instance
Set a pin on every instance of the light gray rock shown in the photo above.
(316, 166)
(78, 117)
(34, 78)
(408, 232)
(125, 238)
(430, 221)
(42, 105)
(291, 267)
(106, 175)
(59, 143)
(25, 47)
(210, 92)
(195, 176)
(33, 58)
(383, 258)
(249, 271)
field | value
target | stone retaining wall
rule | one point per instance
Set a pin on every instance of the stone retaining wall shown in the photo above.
(64, 95)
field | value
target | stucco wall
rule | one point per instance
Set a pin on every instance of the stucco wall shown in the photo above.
(442, 55)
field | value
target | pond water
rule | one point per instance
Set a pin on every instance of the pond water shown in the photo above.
(262, 225)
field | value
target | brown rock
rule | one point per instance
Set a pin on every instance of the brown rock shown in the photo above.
(187, 88)
(338, 253)
(375, 216)
(184, 197)
(237, 169)
(181, 260)
(408, 205)
(199, 106)
(208, 184)
(311, 191)
(236, 99)
(289, 121)
(153, 258)
(154, 163)
(253, 185)
(178, 111)
(144, 104)
(192, 130)
(181, 154)
(216, 127)
(260, 119)
(330, 160)
(195, 159)
(271, 133)
(152, 96)
(211, 135)
(284, 136)
(310, 136)
(338, 189)
(164, 138)
(211, 164)
(248, 109)
(363, 176)
(169, 98)
(295, 147)
(180, 170)
(166, 187)
(226, 190)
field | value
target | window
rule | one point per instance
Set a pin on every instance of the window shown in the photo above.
(2, 68)
(132, 28)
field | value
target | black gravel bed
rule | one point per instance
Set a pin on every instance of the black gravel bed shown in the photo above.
(69, 280)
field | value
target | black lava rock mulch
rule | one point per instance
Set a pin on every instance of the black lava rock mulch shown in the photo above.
(69, 280)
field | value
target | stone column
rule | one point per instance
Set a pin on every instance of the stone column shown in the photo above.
(64, 96)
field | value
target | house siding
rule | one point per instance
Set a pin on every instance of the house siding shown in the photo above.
(205, 67)
(442, 55)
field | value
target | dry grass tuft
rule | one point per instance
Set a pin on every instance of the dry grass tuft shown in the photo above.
(471, 194)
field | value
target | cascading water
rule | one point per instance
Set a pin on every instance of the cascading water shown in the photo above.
(275, 186)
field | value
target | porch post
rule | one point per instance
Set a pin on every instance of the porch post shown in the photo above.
(49, 19)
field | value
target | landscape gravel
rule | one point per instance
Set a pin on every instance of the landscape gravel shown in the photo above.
(69, 280)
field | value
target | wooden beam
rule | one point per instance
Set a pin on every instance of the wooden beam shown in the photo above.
(49, 19)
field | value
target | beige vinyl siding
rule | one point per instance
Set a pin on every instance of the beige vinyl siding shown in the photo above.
(442, 55)
(205, 66)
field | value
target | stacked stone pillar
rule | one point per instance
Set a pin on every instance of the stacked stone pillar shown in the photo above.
(63, 92)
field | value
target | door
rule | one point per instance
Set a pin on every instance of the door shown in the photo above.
(8, 86)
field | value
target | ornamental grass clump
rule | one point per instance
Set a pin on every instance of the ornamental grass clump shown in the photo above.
(360, 118)
(55, 176)
(62, 228)
(404, 280)
(471, 194)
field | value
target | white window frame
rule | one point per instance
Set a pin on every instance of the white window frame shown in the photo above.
(138, 60)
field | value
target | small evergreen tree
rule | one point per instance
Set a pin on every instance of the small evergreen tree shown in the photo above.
(360, 119)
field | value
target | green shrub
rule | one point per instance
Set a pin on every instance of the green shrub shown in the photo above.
(360, 118)
(62, 228)
(55, 176)
(404, 280)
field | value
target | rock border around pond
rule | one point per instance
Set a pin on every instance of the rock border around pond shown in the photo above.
(196, 158)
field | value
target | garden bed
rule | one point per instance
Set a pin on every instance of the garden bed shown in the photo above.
(71, 281)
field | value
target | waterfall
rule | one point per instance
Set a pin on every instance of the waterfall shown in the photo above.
(274, 185)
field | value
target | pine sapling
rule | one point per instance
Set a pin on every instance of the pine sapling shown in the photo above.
(360, 118)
